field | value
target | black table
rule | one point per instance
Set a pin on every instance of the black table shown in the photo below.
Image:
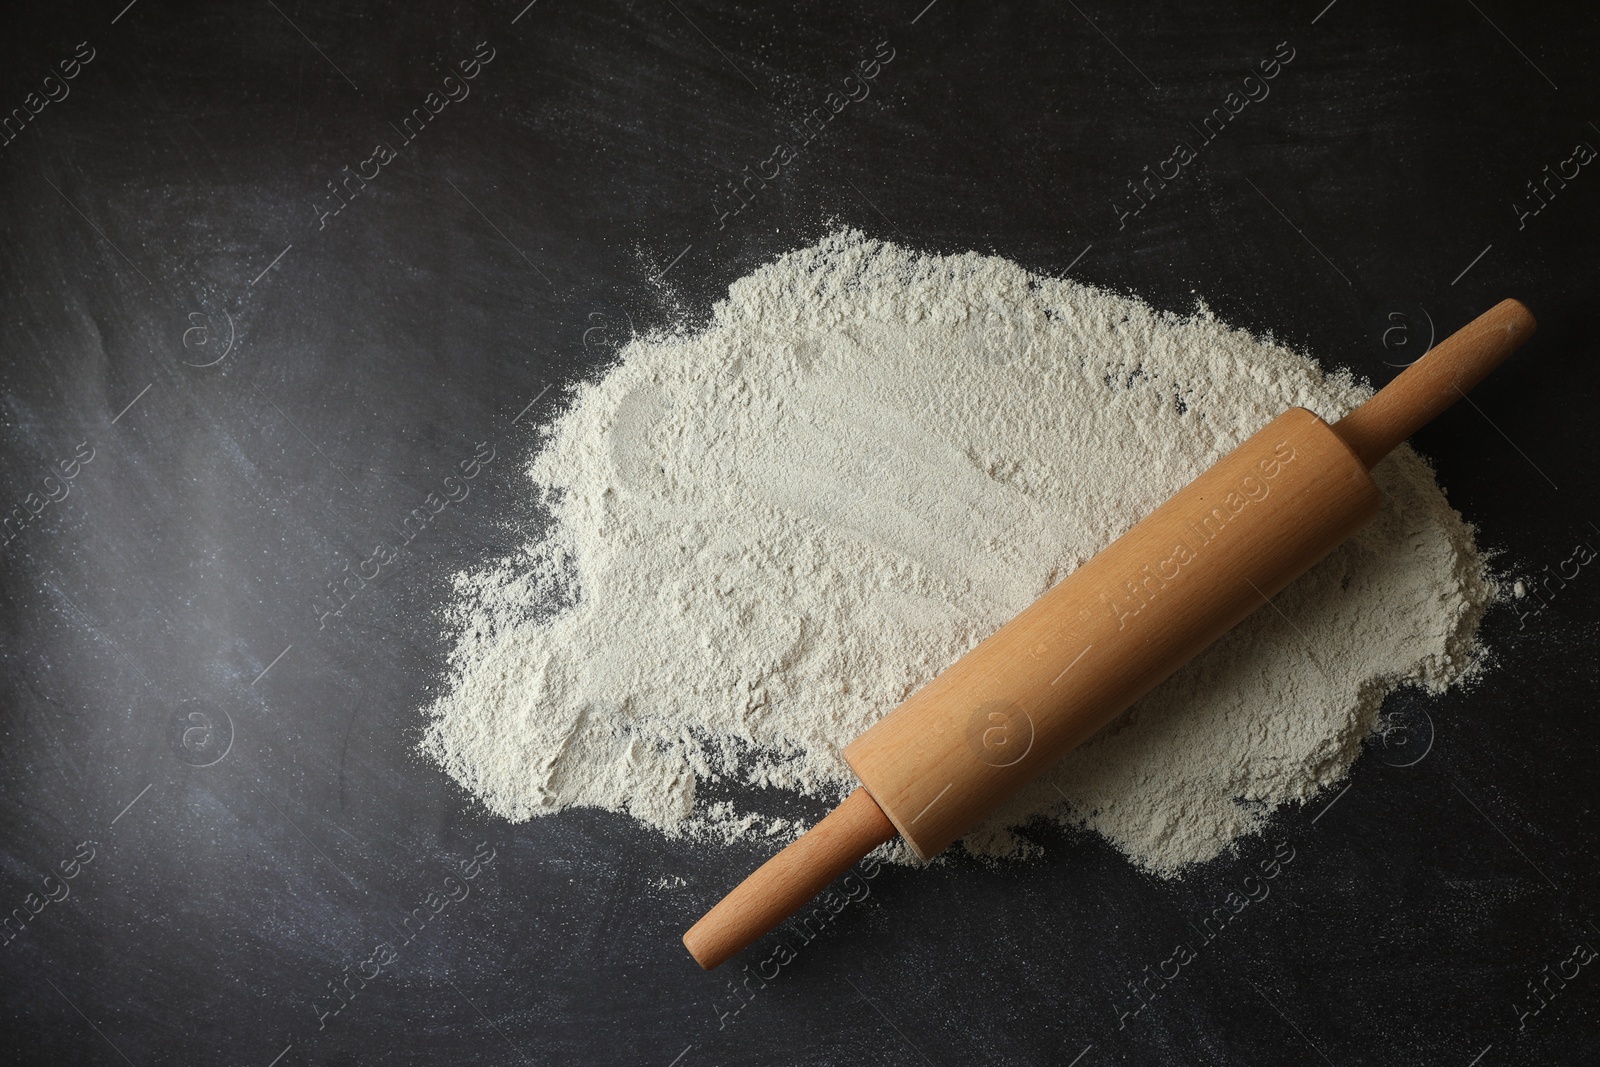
(242, 343)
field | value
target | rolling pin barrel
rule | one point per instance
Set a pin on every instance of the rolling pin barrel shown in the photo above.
(1111, 631)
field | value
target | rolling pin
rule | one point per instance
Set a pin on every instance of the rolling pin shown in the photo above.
(1110, 632)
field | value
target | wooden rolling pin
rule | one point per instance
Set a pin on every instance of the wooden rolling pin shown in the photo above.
(1110, 632)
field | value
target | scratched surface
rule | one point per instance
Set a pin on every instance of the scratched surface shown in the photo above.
(236, 372)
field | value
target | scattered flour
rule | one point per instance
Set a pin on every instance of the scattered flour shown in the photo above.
(762, 536)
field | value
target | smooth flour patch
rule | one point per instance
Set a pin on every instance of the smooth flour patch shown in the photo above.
(769, 532)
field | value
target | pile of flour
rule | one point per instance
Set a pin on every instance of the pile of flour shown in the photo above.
(750, 542)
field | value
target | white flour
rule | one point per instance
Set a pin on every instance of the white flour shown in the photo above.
(768, 533)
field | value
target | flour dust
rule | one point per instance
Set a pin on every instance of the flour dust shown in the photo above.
(749, 542)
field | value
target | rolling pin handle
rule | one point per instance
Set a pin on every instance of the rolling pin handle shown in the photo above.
(783, 884)
(1435, 381)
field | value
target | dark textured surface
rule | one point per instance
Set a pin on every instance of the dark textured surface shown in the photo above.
(506, 250)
